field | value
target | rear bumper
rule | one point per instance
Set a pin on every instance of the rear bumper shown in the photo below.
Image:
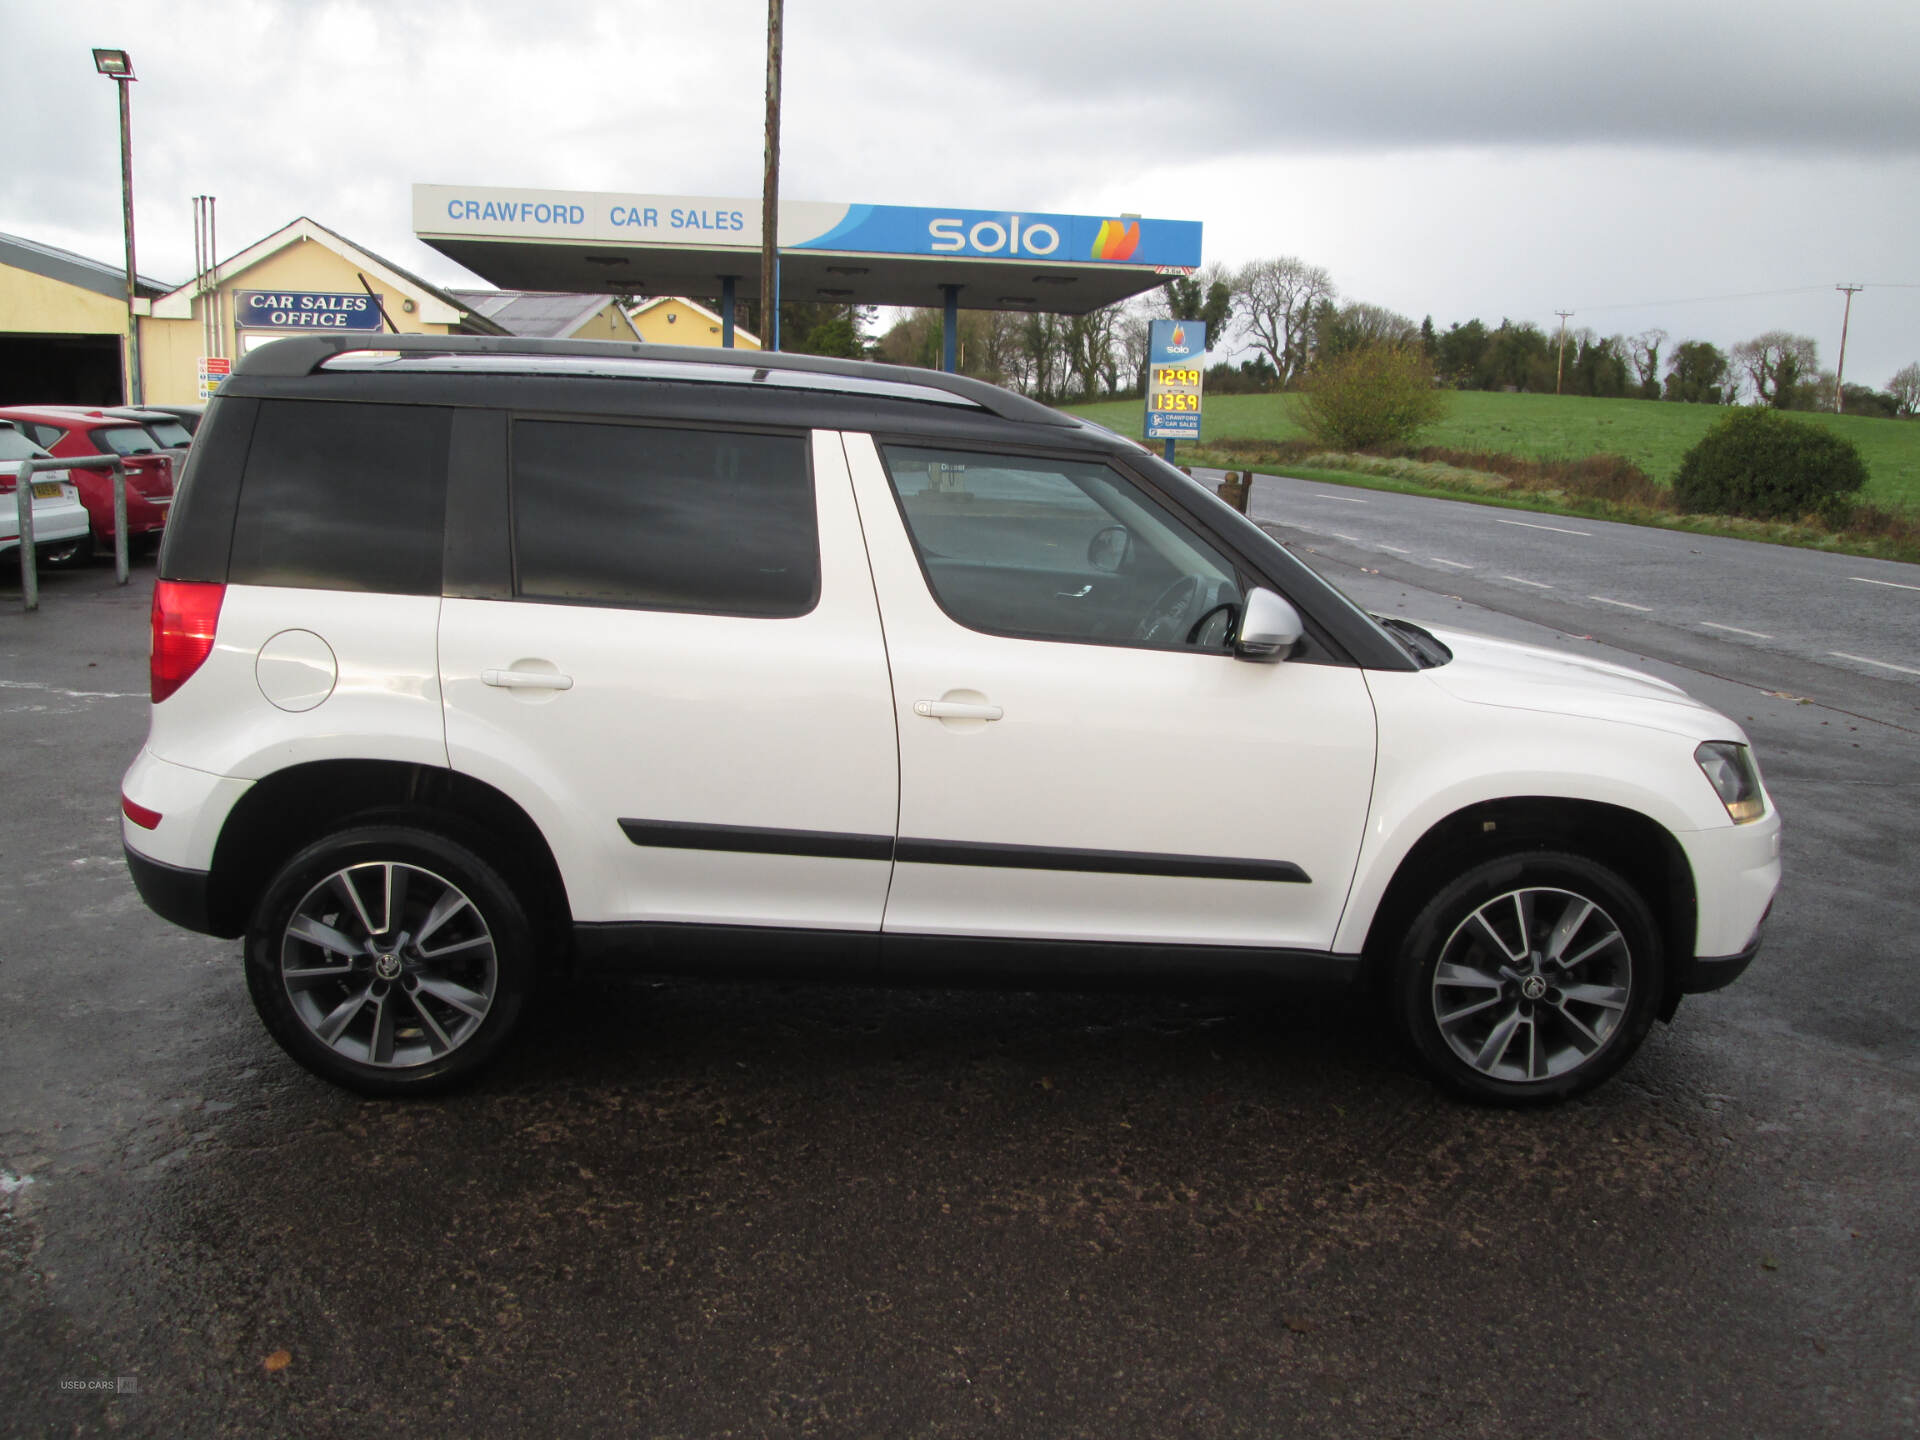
(171, 892)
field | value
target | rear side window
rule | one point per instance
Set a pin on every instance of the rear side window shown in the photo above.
(341, 496)
(124, 440)
(713, 522)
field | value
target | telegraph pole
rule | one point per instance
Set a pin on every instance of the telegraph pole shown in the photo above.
(1560, 364)
(770, 191)
(1840, 370)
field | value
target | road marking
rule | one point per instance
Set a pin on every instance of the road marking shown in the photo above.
(1863, 660)
(1736, 630)
(1557, 529)
(1350, 499)
(1520, 580)
(1354, 538)
(1623, 604)
(1890, 584)
(1454, 563)
(1397, 549)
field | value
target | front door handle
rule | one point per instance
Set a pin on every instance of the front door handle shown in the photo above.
(956, 710)
(526, 680)
(1080, 594)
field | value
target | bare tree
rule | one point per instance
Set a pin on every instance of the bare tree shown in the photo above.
(1644, 351)
(1905, 389)
(1376, 325)
(1133, 342)
(1045, 360)
(1276, 300)
(1088, 341)
(1775, 363)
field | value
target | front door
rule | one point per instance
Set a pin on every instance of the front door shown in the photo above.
(1081, 757)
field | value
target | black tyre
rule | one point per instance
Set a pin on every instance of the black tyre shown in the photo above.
(1529, 978)
(390, 960)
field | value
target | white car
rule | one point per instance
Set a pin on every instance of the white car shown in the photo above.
(59, 519)
(477, 658)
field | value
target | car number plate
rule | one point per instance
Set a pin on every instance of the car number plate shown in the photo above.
(46, 492)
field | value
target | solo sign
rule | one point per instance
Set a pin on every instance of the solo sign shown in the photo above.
(1176, 360)
(304, 310)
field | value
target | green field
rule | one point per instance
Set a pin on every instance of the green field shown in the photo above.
(1651, 433)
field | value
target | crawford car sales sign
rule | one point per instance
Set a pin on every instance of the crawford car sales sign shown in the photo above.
(304, 310)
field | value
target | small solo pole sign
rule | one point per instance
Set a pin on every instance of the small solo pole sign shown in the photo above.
(1176, 358)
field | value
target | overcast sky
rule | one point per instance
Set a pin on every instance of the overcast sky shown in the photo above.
(1636, 162)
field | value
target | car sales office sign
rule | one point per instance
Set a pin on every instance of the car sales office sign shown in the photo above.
(304, 310)
(1177, 356)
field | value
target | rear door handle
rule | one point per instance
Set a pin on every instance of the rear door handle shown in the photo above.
(956, 710)
(526, 680)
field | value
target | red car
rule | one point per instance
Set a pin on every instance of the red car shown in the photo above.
(72, 430)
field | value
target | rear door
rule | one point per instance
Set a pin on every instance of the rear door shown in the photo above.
(1081, 756)
(684, 682)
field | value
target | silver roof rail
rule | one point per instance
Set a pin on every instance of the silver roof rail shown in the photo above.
(299, 355)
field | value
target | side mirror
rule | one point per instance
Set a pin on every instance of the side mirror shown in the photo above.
(1111, 549)
(1269, 628)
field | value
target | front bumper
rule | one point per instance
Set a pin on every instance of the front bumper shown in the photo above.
(1699, 974)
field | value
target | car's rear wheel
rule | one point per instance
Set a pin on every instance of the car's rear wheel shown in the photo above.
(1529, 978)
(389, 959)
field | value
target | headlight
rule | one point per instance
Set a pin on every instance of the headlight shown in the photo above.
(1729, 769)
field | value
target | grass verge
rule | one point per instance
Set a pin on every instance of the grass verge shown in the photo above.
(1602, 487)
(1652, 434)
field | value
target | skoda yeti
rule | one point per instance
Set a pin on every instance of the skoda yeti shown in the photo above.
(475, 659)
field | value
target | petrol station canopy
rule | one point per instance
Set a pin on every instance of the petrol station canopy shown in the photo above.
(848, 254)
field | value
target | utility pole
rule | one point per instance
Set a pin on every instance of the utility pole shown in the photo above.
(770, 191)
(1840, 370)
(1560, 364)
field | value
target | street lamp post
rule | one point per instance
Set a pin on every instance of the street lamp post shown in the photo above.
(117, 65)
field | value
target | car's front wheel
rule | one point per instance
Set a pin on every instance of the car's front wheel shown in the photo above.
(389, 959)
(1529, 978)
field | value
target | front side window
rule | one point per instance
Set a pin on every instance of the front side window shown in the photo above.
(1061, 550)
(656, 518)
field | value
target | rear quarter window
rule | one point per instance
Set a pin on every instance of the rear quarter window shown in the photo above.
(343, 496)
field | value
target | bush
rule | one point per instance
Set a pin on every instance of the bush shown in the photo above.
(1758, 463)
(1378, 395)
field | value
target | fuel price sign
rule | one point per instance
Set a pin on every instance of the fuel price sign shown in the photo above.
(1177, 355)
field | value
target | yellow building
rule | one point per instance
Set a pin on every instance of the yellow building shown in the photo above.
(551, 315)
(63, 325)
(63, 317)
(310, 268)
(670, 320)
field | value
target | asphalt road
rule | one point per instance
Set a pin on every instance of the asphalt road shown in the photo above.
(703, 1210)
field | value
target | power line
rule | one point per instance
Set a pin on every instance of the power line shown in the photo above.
(1747, 295)
(1710, 299)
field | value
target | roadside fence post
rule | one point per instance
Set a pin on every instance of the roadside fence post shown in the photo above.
(23, 504)
(120, 522)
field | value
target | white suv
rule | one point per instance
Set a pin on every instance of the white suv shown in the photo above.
(475, 658)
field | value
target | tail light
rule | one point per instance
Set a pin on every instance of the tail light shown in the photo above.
(185, 615)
